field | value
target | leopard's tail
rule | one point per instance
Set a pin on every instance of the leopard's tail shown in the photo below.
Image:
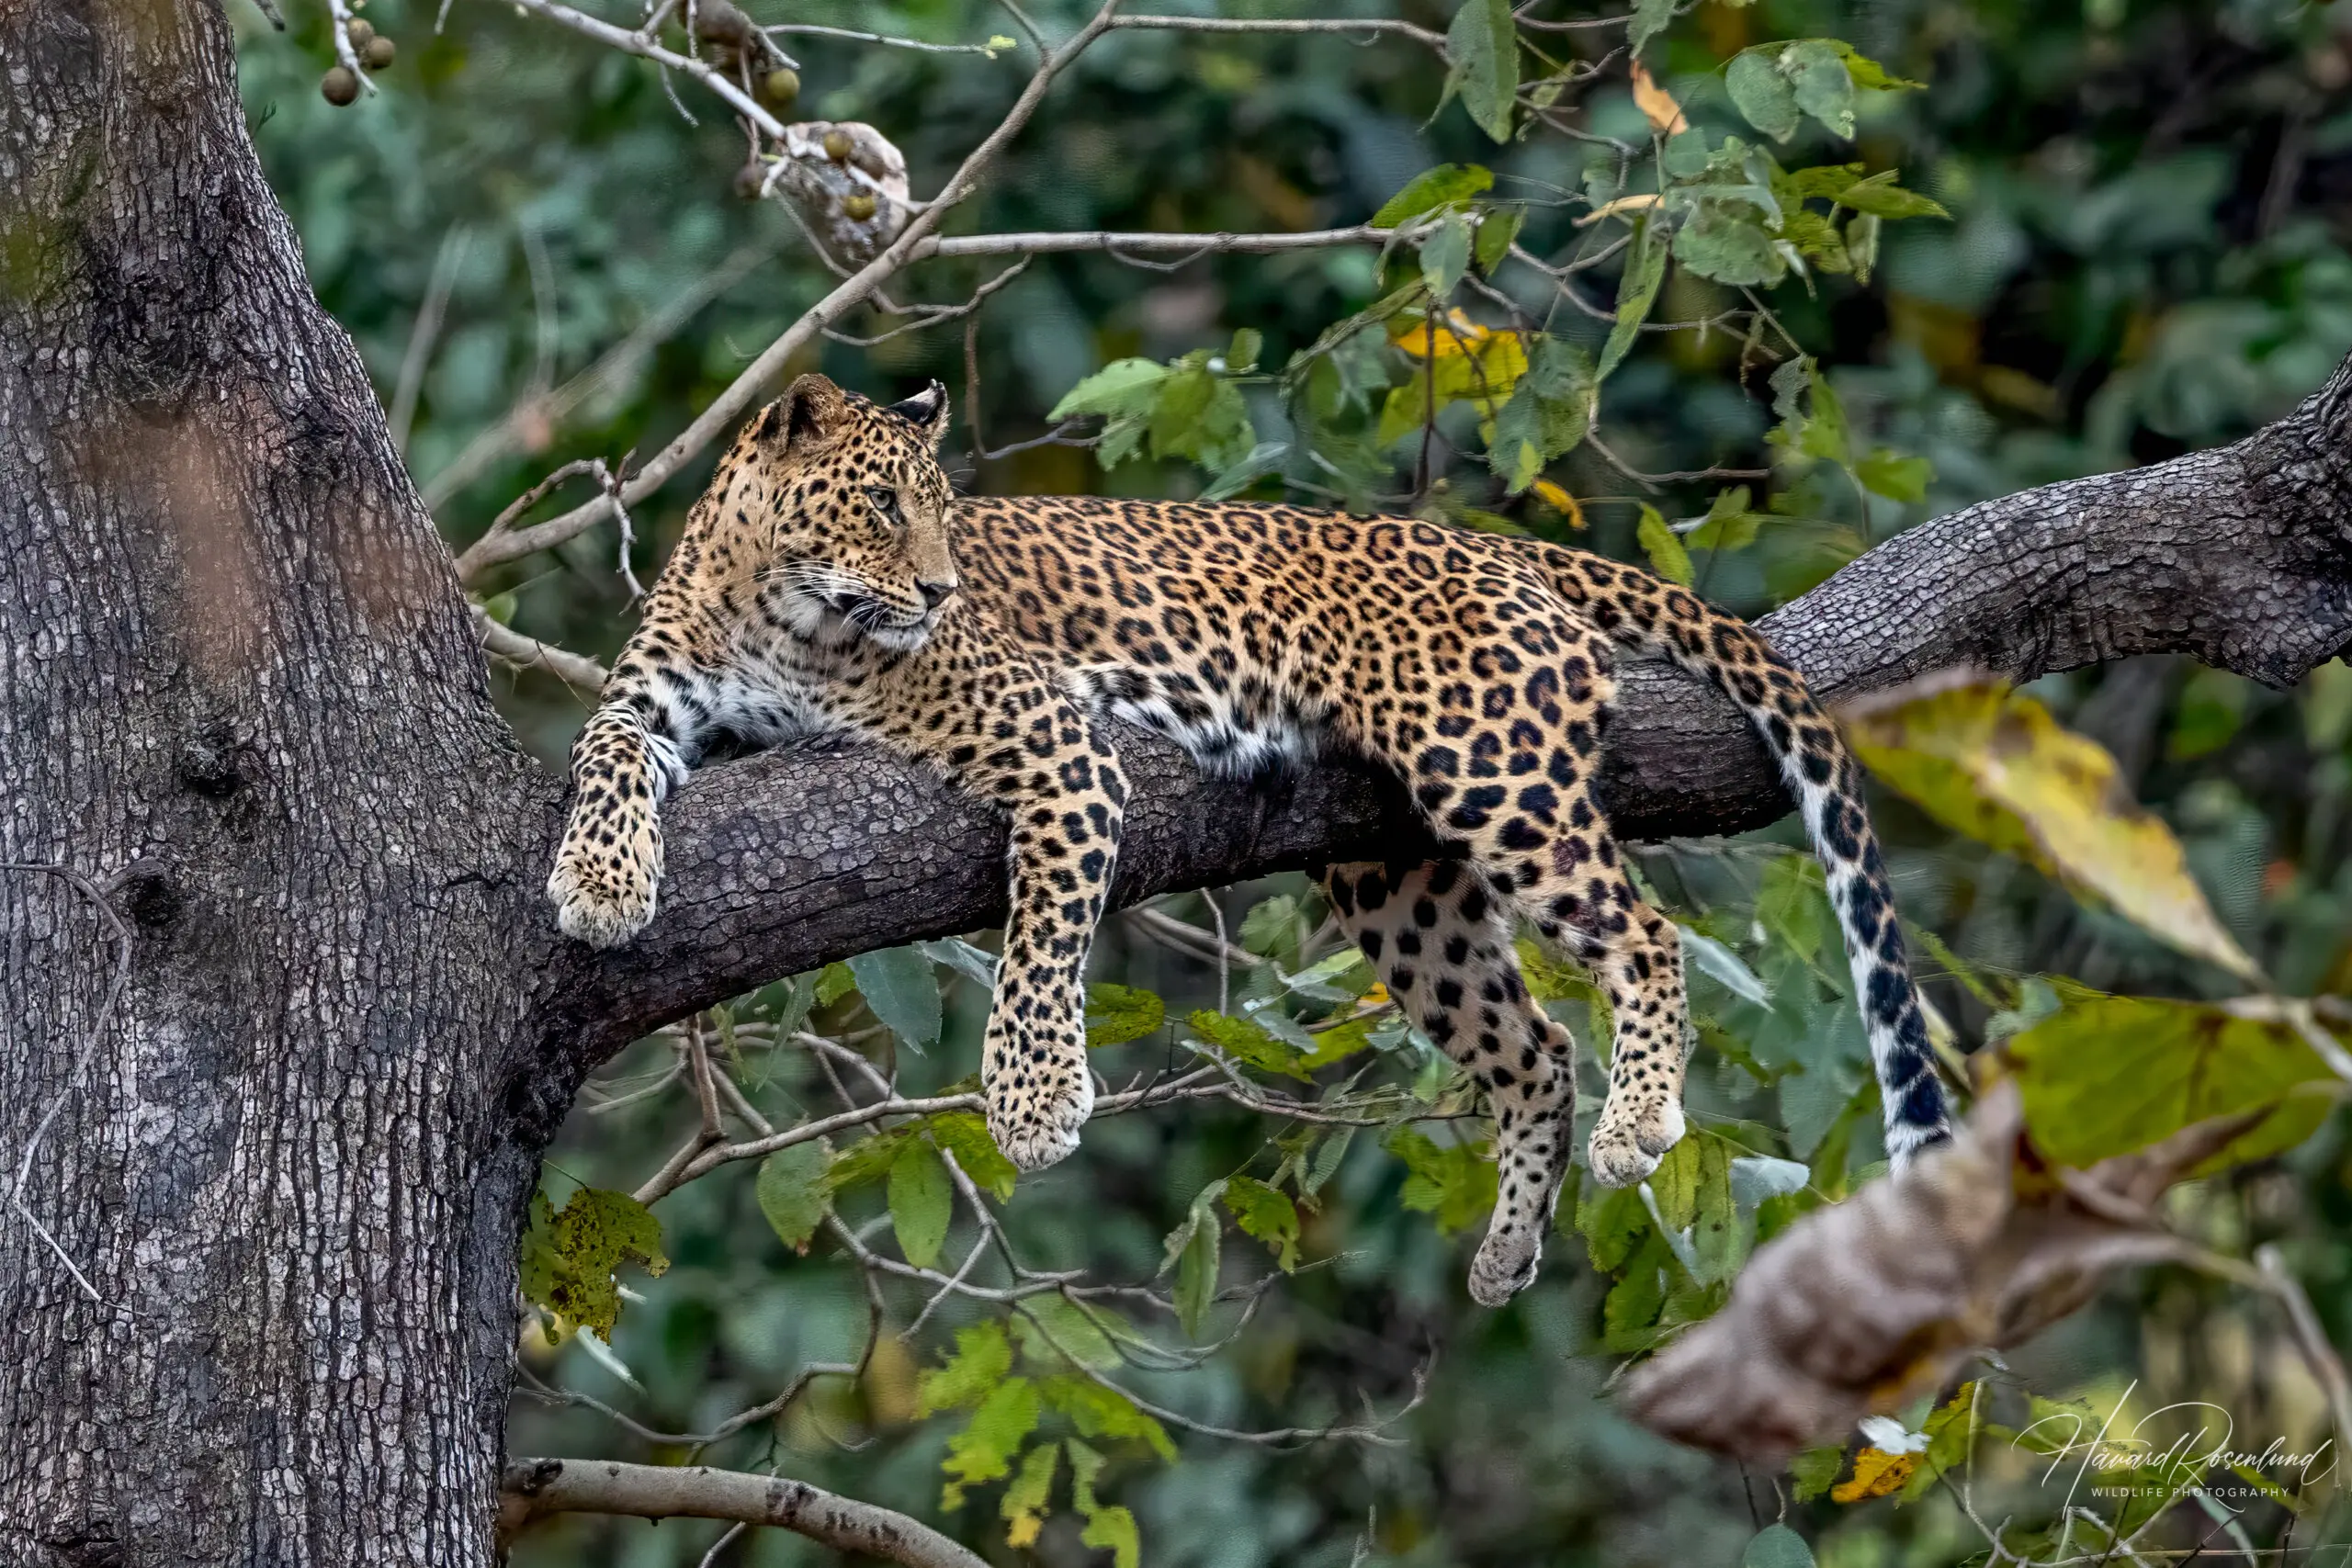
(1642, 612)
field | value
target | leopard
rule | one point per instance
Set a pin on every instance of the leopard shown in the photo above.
(829, 581)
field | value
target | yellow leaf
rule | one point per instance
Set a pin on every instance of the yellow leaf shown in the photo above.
(1657, 105)
(1023, 1531)
(1375, 996)
(1560, 501)
(1992, 763)
(1876, 1473)
(1456, 334)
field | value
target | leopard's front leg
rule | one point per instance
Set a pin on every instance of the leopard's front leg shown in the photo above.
(1033, 751)
(608, 869)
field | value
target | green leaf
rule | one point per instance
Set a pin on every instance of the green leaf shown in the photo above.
(794, 1193)
(1248, 1043)
(1484, 45)
(1668, 557)
(1761, 94)
(834, 983)
(1116, 1014)
(1549, 412)
(1445, 254)
(922, 1200)
(983, 1356)
(1629, 1313)
(1868, 73)
(1721, 244)
(1109, 1528)
(1611, 1221)
(1195, 1248)
(1123, 387)
(902, 988)
(1777, 1546)
(1637, 288)
(1454, 1184)
(1241, 354)
(2108, 1075)
(1268, 1215)
(1815, 1471)
(1730, 524)
(1426, 192)
(1496, 229)
(569, 1258)
(1880, 196)
(1101, 1411)
(1201, 415)
(1824, 88)
(1686, 156)
(983, 1450)
(965, 1134)
(1650, 17)
(868, 1159)
(1055, 1332)
(1717, 1240)
(1792, 905)
(1889, 473)
(1024, 1506)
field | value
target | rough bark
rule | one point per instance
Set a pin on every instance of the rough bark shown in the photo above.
(239, 695)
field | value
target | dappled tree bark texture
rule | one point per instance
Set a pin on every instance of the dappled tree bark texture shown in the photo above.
(258, 1211)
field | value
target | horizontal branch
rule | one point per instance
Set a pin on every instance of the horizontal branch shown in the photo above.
(535, 1488)
(1359, 27)
(1044, 242)
(786, 860)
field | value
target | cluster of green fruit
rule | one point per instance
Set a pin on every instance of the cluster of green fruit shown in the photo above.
(340, 86)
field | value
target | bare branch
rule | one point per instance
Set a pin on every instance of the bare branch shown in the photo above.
(1360, 26)
(582, 674)
(535, 1488)
(724, 409)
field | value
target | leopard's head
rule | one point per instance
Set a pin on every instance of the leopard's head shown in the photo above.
(853, 506)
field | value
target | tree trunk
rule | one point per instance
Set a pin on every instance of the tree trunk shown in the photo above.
(285, 1023)
(241, 701)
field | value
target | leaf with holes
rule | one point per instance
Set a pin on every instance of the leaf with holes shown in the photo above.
(983, 1450)
(1761, 94)
(1101, 1411)
(1268, 1215)
(1445, 185)
(1248, 1043)
(569, 1257)
(983, 1356)
(1116, 1014)
(1024, 1506)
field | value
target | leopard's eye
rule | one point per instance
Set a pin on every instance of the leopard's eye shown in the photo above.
(885, 502)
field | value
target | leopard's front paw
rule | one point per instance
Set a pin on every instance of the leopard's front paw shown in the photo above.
(1036, 1108)
(602, 896)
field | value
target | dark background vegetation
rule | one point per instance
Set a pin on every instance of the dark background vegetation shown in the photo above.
(2147, 255)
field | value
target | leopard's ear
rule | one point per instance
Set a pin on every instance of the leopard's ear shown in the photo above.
(927, 411)
(809, 411)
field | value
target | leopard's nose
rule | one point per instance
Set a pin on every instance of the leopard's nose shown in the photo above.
(935, 593)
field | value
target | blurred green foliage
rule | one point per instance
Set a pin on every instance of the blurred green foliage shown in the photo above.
(2144, 254)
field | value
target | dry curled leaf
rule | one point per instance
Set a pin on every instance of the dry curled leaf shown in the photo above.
(1861, 1308)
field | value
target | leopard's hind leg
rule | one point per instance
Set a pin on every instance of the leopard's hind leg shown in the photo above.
(1501, 760)
(1441, 942)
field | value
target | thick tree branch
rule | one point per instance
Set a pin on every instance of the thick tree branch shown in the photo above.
(535, 1488)
(2238, 555)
